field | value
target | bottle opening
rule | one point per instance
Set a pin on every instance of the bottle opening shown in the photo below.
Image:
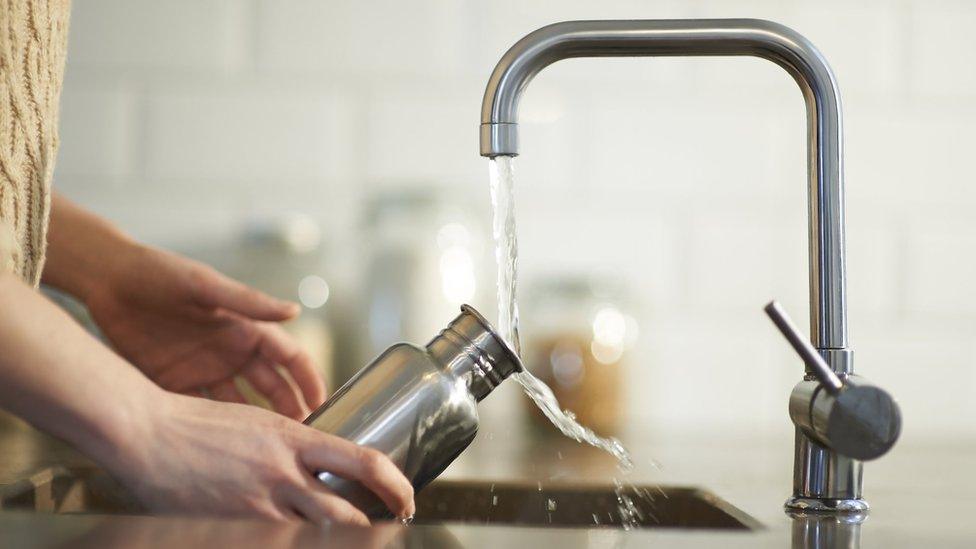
(512, 359)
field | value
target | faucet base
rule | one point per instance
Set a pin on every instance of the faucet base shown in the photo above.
(825, 505)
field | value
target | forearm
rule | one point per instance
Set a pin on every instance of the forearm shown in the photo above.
(59, 378)
(82, 248)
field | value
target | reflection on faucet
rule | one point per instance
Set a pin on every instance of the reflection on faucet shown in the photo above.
(821, 531)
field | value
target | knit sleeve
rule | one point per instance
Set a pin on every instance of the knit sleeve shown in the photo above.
(33, 42)
(9, 248)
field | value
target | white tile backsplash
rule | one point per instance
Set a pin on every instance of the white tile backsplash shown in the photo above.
(875, 267)
(685, 178)
(694, 377)
(940, 265)
(414, 131)
(930, 369)
(863, 41)
(589, 232)
(264, 133)
(97, 132)
(942, 48)
(377, 38)
(144, 36)
(736, 261)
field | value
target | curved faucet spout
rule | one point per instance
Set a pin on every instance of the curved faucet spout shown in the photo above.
(710, 37)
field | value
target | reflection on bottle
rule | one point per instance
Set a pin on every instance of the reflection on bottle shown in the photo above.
(823, 531)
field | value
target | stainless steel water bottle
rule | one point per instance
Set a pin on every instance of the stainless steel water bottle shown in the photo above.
(417, 405)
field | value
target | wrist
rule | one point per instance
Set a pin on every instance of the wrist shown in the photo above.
(106, 271)
(119, 438)
(118, 261)
(84, 250)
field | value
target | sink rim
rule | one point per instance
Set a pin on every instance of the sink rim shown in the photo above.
(590, 485)
(92, 482)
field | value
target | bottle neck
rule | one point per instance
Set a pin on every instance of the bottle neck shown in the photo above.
(471, 350)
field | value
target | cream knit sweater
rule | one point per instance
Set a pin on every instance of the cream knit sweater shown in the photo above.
(33, 41)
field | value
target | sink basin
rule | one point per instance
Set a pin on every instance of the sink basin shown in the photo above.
(582, 506)
(61, 490)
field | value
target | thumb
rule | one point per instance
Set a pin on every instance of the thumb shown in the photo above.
(212, 289)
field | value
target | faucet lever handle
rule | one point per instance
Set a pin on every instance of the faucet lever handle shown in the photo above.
(851, 417)
(804, 348)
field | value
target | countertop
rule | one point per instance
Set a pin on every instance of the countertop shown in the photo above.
(921, 493)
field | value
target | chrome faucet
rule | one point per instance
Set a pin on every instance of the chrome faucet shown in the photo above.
(831, 439)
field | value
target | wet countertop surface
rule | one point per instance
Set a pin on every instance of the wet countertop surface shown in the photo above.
(921, 493)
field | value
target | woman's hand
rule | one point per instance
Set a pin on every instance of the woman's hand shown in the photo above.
(196, 455)
(192, 330)
(186, 326)
(175, 452)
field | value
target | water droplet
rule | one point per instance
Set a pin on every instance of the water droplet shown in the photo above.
(630, 515)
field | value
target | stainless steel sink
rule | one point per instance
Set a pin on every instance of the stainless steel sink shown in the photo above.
(78, 490)
(60, 490)
(580, 505)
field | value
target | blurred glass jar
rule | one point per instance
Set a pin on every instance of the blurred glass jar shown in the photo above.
(577, 338)
(283, 256)
(424, 257)
(286, 258)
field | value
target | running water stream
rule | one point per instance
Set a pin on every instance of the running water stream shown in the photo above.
(502, 174)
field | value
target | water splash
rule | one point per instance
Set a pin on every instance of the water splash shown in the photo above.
(502, 179)
(565, 421)
(630, 514)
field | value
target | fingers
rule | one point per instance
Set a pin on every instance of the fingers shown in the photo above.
(368, 466)
(279, 348)
(212, 289)
(284, 397)
(320, 506)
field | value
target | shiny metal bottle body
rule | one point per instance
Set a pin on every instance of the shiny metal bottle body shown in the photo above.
(417, 405)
